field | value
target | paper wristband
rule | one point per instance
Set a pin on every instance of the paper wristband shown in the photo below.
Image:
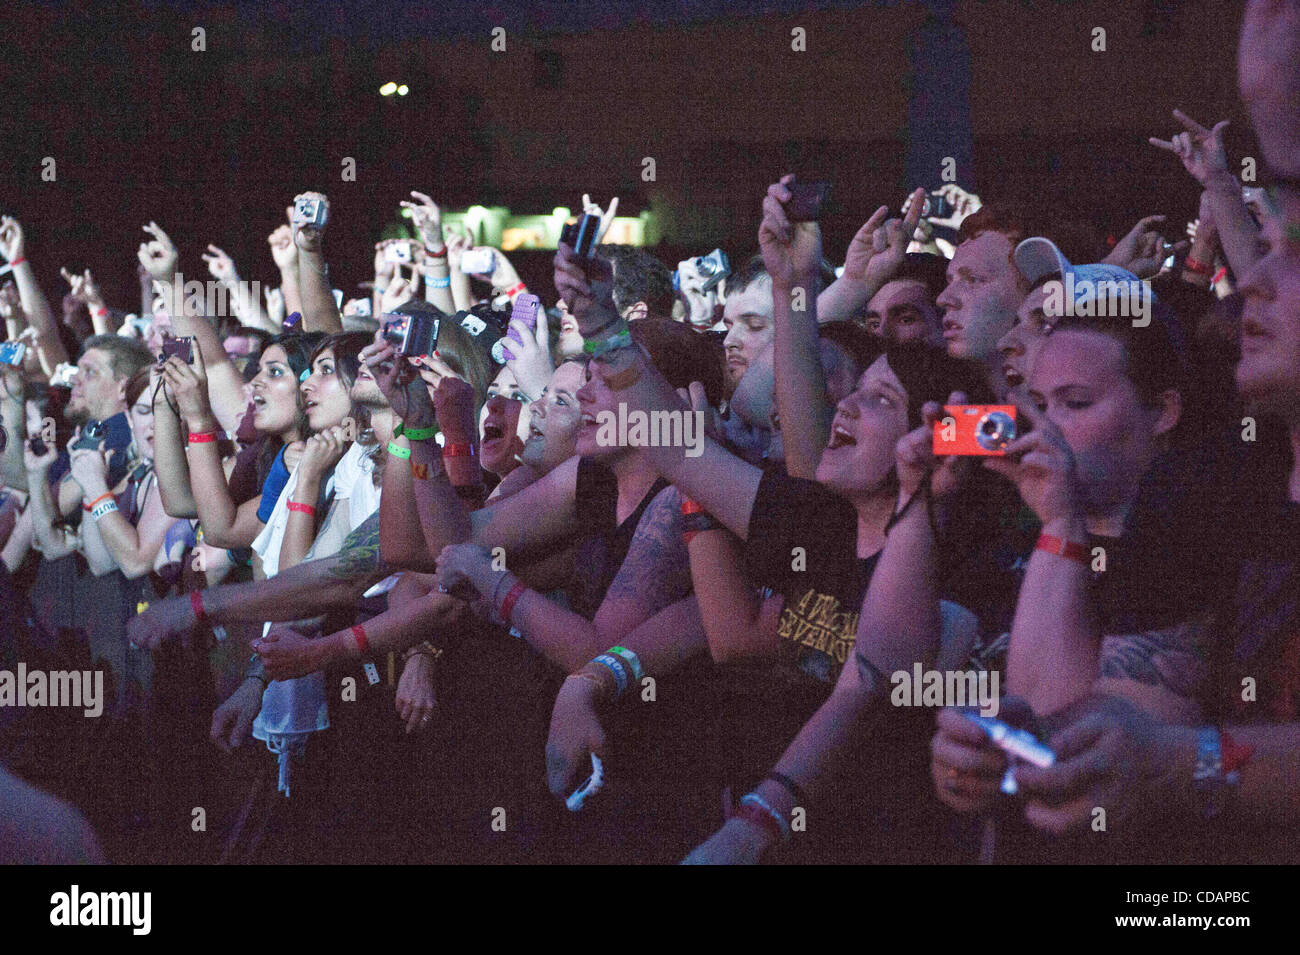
(419, 434)
(397, 451)
(301, 508)
(631, 659)
(1063, 548)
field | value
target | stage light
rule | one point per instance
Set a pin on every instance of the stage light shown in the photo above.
(403, 90)
(388, 89)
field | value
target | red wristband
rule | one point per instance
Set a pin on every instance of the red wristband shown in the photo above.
(91, 505)
(202, 437)
(1219, 276)
(196, 601)
(359, 632)
(439, 253)
(458, 451)
(691, 507)
(512, 292)
(512, 598)
(1063, 548)
(18, 261)
(1200, 268)
(302, 508)
(1235, 755)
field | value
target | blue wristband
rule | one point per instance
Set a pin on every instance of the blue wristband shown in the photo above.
(615, 666)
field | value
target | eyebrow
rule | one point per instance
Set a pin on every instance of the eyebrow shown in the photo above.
(887, 386)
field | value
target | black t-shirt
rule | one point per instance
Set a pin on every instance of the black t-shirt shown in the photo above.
(803, 545)
(603, 542)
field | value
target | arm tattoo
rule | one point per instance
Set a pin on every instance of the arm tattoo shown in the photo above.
(359, 555)
(657, 569)
(1173, 659)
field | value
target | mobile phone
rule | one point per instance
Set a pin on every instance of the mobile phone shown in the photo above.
(399, 253)
(806, 200)
(983, 430)
(525, 310)
(182, 348)
(310, 212)
(1019, 744)
(13, 353)
(478, 262)
(38, 445)
(589, 788)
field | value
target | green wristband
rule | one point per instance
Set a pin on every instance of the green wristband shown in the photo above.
(420, 434)
(397, 451)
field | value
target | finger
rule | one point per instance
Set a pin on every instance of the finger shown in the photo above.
(913, 217)
(423, 198)
(1164, 144)
(1192, 125)
(1216, 133)
(698, 397)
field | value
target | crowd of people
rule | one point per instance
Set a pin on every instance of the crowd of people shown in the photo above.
(381, 582)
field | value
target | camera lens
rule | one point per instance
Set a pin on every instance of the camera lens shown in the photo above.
(995, 431)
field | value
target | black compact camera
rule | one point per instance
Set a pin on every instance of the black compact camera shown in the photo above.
(39, 447)
(91, 435)
(806, 200)
(582, 236)
(412, 335)
(182, 348)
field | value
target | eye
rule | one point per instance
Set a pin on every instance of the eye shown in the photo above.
(559, 400)
(1078, 404)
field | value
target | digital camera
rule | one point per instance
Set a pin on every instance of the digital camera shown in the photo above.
(975, 430)
(91, 435)
(806, 200)
(399, 253)
(310, 212)
(182, 348)
(411, 335)
(478, 262)
(713, 268)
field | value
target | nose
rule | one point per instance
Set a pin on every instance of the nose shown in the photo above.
(1010, 344)
(733, 338)
(848, 406)
(947, 300)
(1256, 283)
(496, 405)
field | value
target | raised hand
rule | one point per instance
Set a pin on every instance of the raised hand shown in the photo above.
(158, 255)
(11, 238)
(1041, 465)
(792, 251)
(1143, 250)
(283, 249)
(427, 219)
(220, 265)
(1200, 149)
(880, 246)
(915, 458)
(322, 452)
(310, 237)
(606, 218)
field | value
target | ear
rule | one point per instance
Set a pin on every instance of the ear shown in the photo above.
(1169, 407)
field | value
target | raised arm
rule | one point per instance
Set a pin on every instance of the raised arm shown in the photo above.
(224, 524)
(320, 313)
(224, 384)
(35, 305)
(792, 253)
(169, 462)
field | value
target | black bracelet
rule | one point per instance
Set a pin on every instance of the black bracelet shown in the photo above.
(792, 787)
(922, 491)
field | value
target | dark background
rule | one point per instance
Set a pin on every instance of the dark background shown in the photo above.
(213, 145)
